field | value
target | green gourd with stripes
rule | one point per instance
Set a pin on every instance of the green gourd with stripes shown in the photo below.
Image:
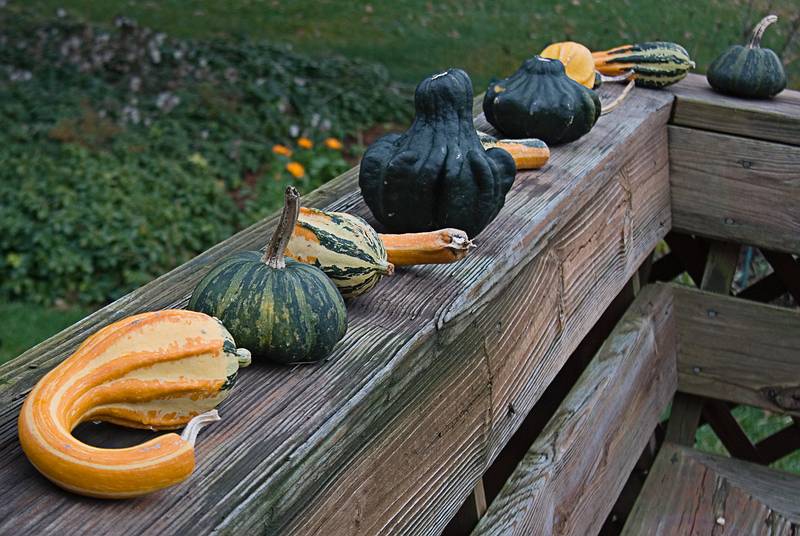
(287, 312)
(749, 71)
(654, 64)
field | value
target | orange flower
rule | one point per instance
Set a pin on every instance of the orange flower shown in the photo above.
(282, 150)
(305, 143)
(296, 169)
(333, 143)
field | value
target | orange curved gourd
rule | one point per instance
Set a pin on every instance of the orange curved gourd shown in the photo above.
(577, 59)
(159, 370)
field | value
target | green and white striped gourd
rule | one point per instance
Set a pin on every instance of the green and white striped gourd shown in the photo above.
(344, 246)
(654, 64)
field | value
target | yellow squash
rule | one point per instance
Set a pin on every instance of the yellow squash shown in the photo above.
(577, 59)
(159, 370)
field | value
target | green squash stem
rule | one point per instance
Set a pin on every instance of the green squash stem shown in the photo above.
(758, 31)
(273, 255)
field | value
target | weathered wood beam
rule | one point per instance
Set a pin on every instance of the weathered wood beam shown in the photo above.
(393, 431)
(735, 189)
(565, 482)
(698, 106)
(690, 492)
(737, 350)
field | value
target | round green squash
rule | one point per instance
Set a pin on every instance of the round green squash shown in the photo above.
(287, 312)
(437, 174)
(541, 101)
(749, 71)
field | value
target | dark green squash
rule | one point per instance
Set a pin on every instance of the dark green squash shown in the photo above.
(287, 311)
(437, 174)
(749, 71)
(541, 101)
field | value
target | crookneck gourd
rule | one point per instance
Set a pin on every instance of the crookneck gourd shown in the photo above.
(436, 175)
(528, 153)
(284, 311)
(159, 370)
(749, 71)
(577, 60)
(355, 256)
(541, 101)
(654, 64)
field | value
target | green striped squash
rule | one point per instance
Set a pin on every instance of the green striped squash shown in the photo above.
(344, 246)
(654, 64)
(749, 71)
(286, 311)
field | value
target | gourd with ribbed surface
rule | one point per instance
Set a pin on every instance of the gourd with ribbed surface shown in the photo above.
(436, 175)
(284, 311)
(577, 59)
(540, 101)
(749, 71)
(159, 370)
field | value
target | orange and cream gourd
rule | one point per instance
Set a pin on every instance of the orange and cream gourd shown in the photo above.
(159, 370)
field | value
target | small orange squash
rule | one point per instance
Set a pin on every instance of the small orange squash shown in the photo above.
(159, 370)
(577, 59)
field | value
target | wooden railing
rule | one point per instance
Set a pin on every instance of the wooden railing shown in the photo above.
(441, 366)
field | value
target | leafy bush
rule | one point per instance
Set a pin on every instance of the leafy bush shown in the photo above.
(89, 227)
(125, 152)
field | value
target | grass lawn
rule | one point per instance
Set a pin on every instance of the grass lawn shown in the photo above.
(25, 325)
(757, 424)
(415, 38)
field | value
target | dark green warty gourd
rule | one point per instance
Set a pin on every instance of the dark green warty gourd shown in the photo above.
(541, 101)
(749, 71)
(437, 174)
(287, 311)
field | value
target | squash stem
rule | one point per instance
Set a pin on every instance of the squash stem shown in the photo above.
(758, 31)
(616, 102)
(273, 255)
(194, 426)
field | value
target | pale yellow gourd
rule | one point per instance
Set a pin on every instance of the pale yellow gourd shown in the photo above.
(159, 370)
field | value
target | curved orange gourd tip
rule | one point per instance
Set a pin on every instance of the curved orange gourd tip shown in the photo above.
(158, 370)
(433, 247)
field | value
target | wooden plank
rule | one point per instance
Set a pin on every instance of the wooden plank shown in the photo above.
(735, 189)
(519, 340)
(737, 350)
(690, 492)
(392, 432)
(684, 418)
(566, 482)
(698, 106)
(718, 275)
(719, 417)
(781, 443)
(720, 267)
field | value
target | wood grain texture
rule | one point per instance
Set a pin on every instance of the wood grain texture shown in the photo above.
(698, 106)
(737, 350)
(690, 492)
(392, 432)
(684, 418)
(569, 478)
(735, 189)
